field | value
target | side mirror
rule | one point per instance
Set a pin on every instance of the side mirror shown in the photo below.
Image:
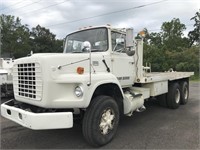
(129, 42)
(87, 46)
(129, 37)
(120, 40)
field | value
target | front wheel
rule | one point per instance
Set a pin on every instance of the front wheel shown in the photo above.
(100, 121)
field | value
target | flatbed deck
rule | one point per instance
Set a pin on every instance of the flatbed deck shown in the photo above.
(164, 76)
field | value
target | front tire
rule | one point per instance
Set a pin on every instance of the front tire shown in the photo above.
(100, 121)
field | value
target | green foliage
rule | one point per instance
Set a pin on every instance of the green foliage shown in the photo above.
(58, 46)
(43, 40)
(154, 55)
(19, 41)
(186, 60)
(172, 35)
(170, 49)
(195, 77)
(194, 35)
(172, 29)
(15, 37)
(155, 39)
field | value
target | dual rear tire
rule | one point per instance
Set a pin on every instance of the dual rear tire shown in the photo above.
(174, 96)
(178, 93)
(184, 92)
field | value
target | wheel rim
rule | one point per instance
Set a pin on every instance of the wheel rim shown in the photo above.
(177, 96)
(185, 93)
(107, 121)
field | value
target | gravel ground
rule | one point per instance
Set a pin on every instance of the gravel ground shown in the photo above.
(155, 128)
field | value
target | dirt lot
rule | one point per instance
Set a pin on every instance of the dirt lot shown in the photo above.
(156, 128)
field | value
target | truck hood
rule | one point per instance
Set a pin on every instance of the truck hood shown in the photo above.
(68, 62)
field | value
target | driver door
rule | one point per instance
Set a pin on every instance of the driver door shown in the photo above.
(122, 64)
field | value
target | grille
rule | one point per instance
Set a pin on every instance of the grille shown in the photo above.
(28, 80)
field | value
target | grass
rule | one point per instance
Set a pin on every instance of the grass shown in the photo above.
(195, 77)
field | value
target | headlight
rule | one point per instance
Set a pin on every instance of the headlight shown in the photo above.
(78, 91)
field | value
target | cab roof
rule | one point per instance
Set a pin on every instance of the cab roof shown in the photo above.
(122, 30)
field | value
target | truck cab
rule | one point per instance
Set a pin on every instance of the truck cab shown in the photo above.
(108, 44)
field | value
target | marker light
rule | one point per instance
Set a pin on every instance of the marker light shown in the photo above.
(80, 70)
(142, 33)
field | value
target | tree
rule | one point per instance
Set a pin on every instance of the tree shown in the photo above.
(15, 37)
(18, 40)
(156, 39)
(172, 35)
(42, 40)
(170, 49)
(58, 46)
(194, 35)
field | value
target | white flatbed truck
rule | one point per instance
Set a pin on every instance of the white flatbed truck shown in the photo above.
(6, 82)
(99, 77)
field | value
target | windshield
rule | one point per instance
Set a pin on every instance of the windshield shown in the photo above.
(98, 39)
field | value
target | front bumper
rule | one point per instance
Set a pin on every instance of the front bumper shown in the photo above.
(37, 121)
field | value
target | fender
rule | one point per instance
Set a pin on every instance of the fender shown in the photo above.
(100, 79)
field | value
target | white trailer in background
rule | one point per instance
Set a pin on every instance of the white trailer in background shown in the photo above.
(99, 77)
(6, 82)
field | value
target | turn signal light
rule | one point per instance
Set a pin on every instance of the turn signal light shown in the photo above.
(80, 70)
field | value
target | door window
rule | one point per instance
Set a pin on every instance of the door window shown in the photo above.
(118, 42)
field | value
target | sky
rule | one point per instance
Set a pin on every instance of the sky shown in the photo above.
(65, 16)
